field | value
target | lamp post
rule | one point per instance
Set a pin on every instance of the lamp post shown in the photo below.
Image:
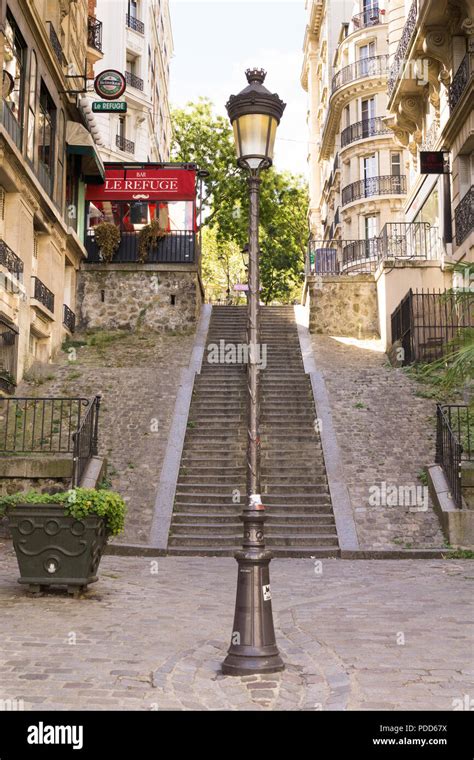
(254, 114)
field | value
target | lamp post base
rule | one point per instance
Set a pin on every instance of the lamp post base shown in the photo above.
(253, 649)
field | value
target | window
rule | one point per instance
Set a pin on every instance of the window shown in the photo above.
(132, 216)
(122, 127)
(30, 145)
(396, 163)
(14, 65)
(370, 224)
(46, 130)
(366, 53)
(73, 170)
(133, 8)
(368, 115)
(347, 116)
(60, 164)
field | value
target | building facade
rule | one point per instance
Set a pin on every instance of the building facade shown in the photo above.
(47, 156)
(138, 42)
(396, 81)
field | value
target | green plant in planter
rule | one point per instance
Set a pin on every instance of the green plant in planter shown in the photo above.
(148, 238)
(78, 503)
(107, 237)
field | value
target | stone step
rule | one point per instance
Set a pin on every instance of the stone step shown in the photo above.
(236, 509)
(318, 552)
(195, 518)
(210, 539)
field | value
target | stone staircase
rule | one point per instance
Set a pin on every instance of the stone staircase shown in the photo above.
(300, 521)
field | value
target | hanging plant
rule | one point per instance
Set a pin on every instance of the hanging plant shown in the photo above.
(107, 237)
(148, 238)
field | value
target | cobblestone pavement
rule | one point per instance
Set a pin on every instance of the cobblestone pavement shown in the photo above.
(386, 433)
(138, 376)
(355, 635)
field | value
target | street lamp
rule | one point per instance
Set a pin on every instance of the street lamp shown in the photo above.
(254, 114)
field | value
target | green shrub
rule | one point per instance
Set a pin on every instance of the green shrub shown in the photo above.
(78, 503)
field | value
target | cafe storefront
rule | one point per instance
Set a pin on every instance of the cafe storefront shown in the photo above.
(136, 197)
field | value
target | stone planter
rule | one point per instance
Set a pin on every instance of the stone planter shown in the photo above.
(53, 549)
(7, 386)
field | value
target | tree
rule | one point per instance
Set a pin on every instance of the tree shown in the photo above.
(202, 137)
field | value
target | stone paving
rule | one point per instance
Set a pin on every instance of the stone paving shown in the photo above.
(138, 376)
(386, 433)
(151, 634)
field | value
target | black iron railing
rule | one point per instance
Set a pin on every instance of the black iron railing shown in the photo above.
(30, 425)
(69, 319)
(359, 256)
(85, 440)
(464, 216)
(55, 44)
(94, 33)
(133, 80)
(11, 261)
(391, 184)
(430, 325)
(363, 129)
(43, 294)
(409, 240)
(177, 247)
(368, 17)
(135, 24)
(365, 67)
(123, 144)
(454, 444)
(11, 124)
(403, 45)
(460, 80)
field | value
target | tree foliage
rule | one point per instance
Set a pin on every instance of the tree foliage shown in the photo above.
(202, 137)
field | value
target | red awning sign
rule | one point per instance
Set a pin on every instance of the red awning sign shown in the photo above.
(144, 184)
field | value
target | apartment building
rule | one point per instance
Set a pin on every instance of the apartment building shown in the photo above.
(431, 107)
(47, 156)
(138, 42)
(395, 82)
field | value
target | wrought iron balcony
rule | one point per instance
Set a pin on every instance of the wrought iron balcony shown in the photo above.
(390, 184)
(43, 294)
(94, 33)
(11, 124)
(403, 45)
(126, 145)
(375, 66)
(368, 17)
(135, 24)
(10, 260)
(460, 80)
(133, 80)
(56, 45)
(363, 129)
(176, 247)
(69, 319)
(464, 216)
(409, 240)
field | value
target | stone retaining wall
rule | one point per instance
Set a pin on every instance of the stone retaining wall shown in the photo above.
(114, 297)
(343, 305)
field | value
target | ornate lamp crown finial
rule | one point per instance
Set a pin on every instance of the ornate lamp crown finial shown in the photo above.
(255, 75)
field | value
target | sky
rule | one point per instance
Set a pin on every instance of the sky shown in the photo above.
(215, 41)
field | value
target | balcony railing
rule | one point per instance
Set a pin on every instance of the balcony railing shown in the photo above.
(45, 177)
(460, 80)
(177, 247)
(10, 261)
(368, 17)
(464, 216)
(375, 66)
(398, 240)
(133, 80)
(11, 124)
(126, 145)
(363, 129)
(403, 45)
(135, 24)
(69, 319)
(391, 184)
(56, 45)
(94, 33)
(43, 294)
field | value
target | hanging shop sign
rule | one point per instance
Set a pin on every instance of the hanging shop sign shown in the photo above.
(109, 106)
(110, 84)
(434, 162)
